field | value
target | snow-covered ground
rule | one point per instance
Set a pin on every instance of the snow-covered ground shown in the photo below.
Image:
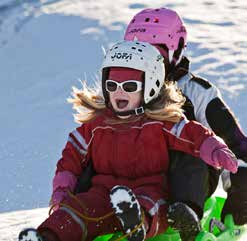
(12, 222)
(47, 45)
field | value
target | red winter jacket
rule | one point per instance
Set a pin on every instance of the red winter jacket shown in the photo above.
(130, 154)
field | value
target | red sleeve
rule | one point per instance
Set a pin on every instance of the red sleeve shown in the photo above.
(75, 154)
(186, 136)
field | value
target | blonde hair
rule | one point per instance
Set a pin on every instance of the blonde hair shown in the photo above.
(89, 103)
(168, 105)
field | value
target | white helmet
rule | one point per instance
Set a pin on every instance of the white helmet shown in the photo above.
(141, 56)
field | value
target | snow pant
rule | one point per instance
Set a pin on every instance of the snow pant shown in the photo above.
(191, 180)
(236, 202)
(66, 224)
(224, 124)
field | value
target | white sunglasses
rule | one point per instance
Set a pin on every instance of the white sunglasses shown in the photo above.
(130, 86)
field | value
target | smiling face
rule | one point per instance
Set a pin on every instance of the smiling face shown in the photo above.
(124, 101)
(120, 99)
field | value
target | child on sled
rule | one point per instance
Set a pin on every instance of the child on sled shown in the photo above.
(192, 181)
(126, 134)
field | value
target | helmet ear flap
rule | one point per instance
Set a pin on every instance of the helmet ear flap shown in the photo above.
(105, 74)
(178, 51)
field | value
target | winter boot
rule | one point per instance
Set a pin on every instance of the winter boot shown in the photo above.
(236, 205)
(30, 234)
(183, 219)
(236, 202)
(128, 211)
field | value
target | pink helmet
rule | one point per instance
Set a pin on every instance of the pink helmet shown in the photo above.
(160, 26)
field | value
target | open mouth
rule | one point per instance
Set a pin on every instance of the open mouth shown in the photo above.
(121, 103)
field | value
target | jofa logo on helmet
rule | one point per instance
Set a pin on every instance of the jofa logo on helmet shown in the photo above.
(122, 55)
(137, 30)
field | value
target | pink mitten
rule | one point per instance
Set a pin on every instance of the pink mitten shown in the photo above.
(58, 196)
(62, 183)
(215, 152)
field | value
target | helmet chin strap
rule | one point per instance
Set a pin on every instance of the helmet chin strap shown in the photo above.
(136, 111)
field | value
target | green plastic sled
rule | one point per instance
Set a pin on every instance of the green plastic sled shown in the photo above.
(212, 228)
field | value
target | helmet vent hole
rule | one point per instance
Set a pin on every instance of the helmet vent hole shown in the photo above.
(158, 83)
(141, 58)
(147, 19)
(152, 92)
(133, 20)
(156, 20)
(133, 47)
(116, 47)
(140, 50)
(143, 45)
(156, 9)
(154, 36)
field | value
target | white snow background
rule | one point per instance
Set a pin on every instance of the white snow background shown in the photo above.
(47, 45)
